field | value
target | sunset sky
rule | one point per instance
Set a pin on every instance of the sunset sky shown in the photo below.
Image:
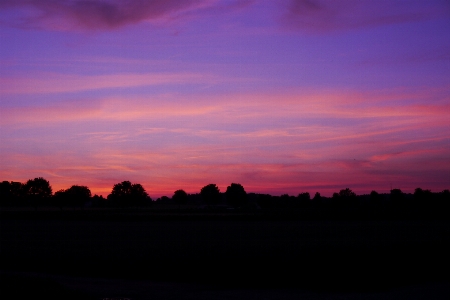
(279, 96)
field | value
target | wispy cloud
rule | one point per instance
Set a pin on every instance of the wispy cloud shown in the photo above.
(96, 14)
(285, 111)
(290, 143)
(40, 83)
(110, 14)
(330, 15)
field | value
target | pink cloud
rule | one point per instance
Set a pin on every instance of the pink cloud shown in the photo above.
(40, 83)
(106, 168)
(280, 143)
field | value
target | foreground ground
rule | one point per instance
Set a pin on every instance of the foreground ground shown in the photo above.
(222, 255)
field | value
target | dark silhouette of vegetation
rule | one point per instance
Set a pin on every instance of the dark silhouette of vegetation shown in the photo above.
(301, 234)
(375, 202)
(236, 195)
(303, 201)
(347, 193)
(180, 197)
(317, 196)
(38, 188)
(397, 200)
(127, 194)
(265, 201)
(37, 191)
(346, 198)
(11, 193)
(316, 202)
(343, 204)
(397, 195)
(421, 195)
(75, 196)
(98, 201)
(374, 197)
(210, 194)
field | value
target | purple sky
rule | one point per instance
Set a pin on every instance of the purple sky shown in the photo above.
(280, 96)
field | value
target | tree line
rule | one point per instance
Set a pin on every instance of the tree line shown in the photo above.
(38, 192)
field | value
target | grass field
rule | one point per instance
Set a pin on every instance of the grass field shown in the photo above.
(235, 252)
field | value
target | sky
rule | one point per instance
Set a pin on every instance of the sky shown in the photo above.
(285, 96)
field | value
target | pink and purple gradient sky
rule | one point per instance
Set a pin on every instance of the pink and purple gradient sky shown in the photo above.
(280, 96)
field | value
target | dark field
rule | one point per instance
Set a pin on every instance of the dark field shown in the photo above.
(228, 251)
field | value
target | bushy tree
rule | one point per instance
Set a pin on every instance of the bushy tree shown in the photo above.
(422, 195)
(38, 191)
(17, 190)
(396, 194)
(374, 195)
(375, 199)
(317, 200)
(80, 191)
(98, 201)
(304, 196)
(5, 193)
(38, 187)
(126, 194)
(180, 197)
(210, 194)
(397, 200)
(344, 199)
(236, 195)
(74, 196)
(304, 200)
(347, 193)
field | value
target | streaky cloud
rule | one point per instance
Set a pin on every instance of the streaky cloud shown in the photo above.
(41, 82)
(319, 16)
(313, 142)
(96, 14)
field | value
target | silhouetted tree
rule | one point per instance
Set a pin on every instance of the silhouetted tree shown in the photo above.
(210, 194)
(424, 202)
(139, 196)
(304, 196)
(98, 201)
(38, 191)
(74, 196)
(304, 200)
(348, 198)
(422, 195)
(164, 199)
(5, 193)
(17, 190)
(418, 193)
(375, 199)
(126, 194)
(283, 201)
(444, 202)
(396, 194)
(180, 197)
(397, 198)
(317, 201)
(236, 195)
(60, 199)
(346, 193)
(374, 195)
(11, 193)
